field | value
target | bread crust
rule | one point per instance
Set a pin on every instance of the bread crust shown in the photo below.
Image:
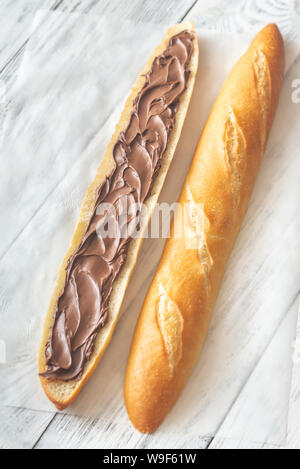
(62, 393)
(176, 314)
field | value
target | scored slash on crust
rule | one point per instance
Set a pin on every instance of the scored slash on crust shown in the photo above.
(196, 228)
(170, 322)
(263, 86)
(235, 155)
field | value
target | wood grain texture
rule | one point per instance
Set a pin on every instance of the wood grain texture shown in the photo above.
(15, 24)
(248, 15)
(138, 10)
(227, 443)
(15, 29)
(67, 431)
(293, 430)
(21, 428)
(266, 407)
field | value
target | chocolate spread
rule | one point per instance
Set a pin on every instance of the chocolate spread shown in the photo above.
(83, 307)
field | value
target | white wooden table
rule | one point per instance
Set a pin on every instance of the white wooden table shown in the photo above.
(22, 428)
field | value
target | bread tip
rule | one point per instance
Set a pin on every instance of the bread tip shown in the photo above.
(191, 24)
(271, 41)
(271, 31)
(60, 405)
(146, 429)
(184, 25)
(141, 420)
(137, 414)
(273, 26)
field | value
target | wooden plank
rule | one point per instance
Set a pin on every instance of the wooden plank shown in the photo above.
(258, 414)
(17, 15)
(293, 430)
(15, 23)
(227, 443)
(248, 16)
(80, 433)
(15, 29)
(138, 10)
(21, 428)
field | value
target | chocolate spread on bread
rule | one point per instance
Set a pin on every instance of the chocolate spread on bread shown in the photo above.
(83, 307)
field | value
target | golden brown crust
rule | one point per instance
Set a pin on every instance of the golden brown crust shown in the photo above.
(61, 393)
(187, 282)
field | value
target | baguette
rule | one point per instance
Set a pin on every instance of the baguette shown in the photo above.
(63, 392)
(175, 317)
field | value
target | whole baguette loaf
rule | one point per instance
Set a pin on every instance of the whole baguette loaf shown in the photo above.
(62, 393)
(176, 314)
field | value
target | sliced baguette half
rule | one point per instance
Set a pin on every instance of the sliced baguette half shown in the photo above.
(63, 393)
